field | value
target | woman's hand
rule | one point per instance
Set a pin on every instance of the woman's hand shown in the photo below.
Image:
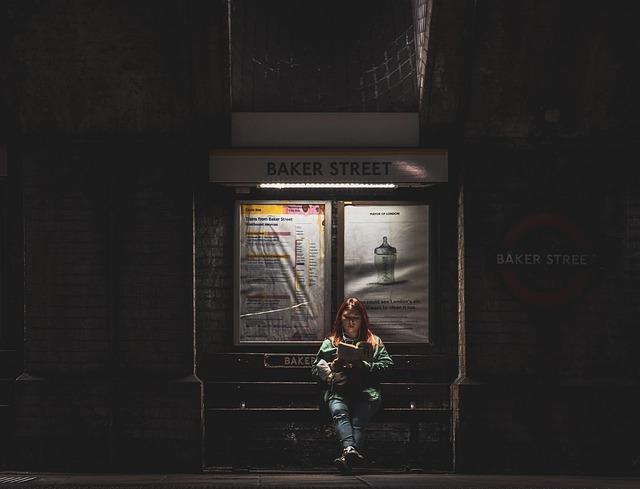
(339, 365)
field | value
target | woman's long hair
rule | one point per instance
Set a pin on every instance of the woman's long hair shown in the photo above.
(364, 334)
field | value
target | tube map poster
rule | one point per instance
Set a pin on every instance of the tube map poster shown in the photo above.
(386, 265)
(282, 258)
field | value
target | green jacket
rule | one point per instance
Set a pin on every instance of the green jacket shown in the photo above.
(364, 381)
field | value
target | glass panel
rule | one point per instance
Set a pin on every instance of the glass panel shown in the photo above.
(386, 265)
(283, 268)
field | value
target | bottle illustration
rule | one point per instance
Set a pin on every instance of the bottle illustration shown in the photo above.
(385, 261)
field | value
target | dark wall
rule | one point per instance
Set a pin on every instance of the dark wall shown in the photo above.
(214, 270)
(108, 307)
(108, 110)
(96, 68)
(531, 70)
(535, 101)
(354, 56)
(555, 371)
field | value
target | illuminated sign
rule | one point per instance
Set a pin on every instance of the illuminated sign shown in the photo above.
(402, 166)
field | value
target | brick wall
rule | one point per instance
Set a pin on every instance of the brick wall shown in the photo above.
(66, 263)
(111, 109)
(214, 269)
(546, 375)
(108, 308)
(523, 94)
(153, 261)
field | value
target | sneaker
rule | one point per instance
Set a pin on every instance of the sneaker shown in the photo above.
(352, 456)
(342, 465)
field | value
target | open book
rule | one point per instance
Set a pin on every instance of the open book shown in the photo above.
(353, 353)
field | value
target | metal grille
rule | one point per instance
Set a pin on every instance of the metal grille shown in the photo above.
(396, 68)
(15, 479)
(345, 56)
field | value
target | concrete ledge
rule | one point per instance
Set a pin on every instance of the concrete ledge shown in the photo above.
(587, 428)
(92, 424)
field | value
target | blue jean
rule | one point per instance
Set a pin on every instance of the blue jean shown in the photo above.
(350, 417)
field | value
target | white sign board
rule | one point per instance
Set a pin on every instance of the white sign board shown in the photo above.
(403, 166)
(282, 271)
(386, 265)
(325, 129)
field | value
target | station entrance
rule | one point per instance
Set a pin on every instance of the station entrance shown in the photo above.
(263, 410)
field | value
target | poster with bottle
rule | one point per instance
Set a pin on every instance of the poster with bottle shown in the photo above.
(282, 262)
(386, 265)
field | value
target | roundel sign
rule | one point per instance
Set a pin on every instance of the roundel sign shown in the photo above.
(545, 259)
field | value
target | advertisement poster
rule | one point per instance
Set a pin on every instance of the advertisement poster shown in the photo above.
(386, 265)
(282, 268)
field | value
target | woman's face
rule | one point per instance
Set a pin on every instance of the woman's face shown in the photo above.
(351, 320)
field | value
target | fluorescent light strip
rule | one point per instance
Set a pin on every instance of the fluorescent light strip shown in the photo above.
(328, 185)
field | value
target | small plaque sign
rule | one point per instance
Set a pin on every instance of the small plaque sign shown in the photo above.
(287, 360)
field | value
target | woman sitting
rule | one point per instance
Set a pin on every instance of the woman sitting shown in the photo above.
(352, 389)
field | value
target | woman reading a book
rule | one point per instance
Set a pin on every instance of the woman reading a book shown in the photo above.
(350, 364)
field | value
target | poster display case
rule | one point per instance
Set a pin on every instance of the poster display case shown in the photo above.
(385, 257)
(283, 268)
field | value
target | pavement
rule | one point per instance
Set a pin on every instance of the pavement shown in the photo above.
(40, 480)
